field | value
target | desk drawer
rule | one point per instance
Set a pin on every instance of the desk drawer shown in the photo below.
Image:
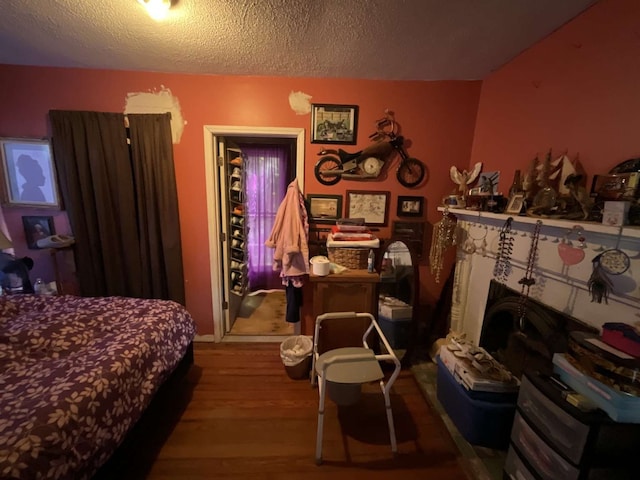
(549, 465)
(568, 435)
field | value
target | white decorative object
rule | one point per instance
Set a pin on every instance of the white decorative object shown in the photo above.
(465, 178)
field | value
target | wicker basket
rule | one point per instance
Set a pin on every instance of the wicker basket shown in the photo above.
(350, 257)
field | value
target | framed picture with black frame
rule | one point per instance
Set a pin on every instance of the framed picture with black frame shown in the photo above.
(334, 124)
(29, 173)
(37, 227)
(324, 208)
(410, 206)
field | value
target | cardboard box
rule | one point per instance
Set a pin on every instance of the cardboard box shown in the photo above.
(392, 308)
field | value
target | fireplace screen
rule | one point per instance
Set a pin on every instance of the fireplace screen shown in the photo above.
(545, 331)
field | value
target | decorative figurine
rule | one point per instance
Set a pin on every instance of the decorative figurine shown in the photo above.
(465, 178)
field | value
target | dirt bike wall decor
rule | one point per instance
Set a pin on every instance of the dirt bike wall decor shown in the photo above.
(368, 164)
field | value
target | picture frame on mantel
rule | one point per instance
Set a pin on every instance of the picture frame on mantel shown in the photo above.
(516, 202)
(29, 175)
(337, 124)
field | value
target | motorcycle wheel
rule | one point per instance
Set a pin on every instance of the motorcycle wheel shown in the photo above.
(327, 163)
(411, 172)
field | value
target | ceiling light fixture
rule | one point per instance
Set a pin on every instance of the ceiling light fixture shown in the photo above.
(157, 9)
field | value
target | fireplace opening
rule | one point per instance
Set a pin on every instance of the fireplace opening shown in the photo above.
(530, 346)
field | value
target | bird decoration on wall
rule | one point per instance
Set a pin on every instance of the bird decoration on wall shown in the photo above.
(465, 178)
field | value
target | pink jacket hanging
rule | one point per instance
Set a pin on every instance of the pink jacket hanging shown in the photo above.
(289, 236)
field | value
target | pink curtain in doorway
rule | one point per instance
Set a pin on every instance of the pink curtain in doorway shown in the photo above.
(267, 176)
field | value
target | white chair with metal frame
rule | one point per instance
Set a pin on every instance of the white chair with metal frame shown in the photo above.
(343, 369)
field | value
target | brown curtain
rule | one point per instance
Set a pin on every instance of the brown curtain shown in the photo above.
(122, 202)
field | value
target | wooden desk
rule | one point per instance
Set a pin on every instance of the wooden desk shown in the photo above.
(349, 291)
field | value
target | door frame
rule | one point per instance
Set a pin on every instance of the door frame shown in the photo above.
(214, 209)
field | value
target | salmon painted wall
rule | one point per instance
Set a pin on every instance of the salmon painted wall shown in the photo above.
(575, 91)
(437, 118)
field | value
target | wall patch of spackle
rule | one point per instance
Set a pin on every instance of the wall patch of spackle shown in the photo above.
(160, 101)
(300, 102)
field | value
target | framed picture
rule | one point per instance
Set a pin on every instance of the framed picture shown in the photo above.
(29, 173)
(37, 227)
(515, 204)
(410, 206)
(372, 206)
(334, 124)
(324, 208)
(616, 186)
(487, 183)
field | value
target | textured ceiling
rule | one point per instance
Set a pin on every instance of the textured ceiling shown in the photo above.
(377, 39)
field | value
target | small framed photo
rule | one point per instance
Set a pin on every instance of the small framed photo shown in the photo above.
(410, 206)
(334, 124)
(29, 173)
(515, 204)
(37, 227)
(372, 206)
(324, 208)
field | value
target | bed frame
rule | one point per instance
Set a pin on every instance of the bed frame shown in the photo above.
(137, 452)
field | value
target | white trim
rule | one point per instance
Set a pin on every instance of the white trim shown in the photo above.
(254, 338)
(213, 215)
(203, 339)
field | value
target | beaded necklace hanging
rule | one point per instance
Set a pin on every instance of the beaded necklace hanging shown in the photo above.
(443, 238)
(527, 281)
(502, 268)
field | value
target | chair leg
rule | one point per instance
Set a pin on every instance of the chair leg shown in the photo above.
(392, 429)
(322, 387)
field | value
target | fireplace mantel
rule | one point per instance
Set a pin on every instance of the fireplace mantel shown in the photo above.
(489, 218)
(559, 286)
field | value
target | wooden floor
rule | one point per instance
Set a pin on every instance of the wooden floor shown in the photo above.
(263, 314)
(246, 419)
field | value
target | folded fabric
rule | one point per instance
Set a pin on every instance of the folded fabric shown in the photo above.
(629, 331)
(372, 243)
(349, 228)
(354, 236)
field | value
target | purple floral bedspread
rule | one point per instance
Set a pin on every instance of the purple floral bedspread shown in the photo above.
(75, 375)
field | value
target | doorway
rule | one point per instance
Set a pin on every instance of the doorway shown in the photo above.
(258, 308)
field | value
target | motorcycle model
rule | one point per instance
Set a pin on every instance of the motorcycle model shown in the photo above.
(368, 163)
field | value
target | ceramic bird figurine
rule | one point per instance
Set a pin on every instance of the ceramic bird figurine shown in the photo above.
(465, 178)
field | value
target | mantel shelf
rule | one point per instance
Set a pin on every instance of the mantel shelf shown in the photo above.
(478, 216)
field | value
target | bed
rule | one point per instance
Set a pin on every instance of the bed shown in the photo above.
(76, 373)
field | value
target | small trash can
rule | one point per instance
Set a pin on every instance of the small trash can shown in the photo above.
(295, 353)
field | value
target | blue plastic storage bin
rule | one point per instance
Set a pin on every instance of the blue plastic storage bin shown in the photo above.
(397, 331)
(486, 423)
(621, 407)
